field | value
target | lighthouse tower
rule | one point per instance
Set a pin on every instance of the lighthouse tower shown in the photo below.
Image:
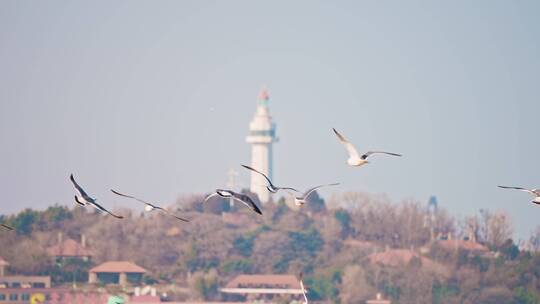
(262, 133)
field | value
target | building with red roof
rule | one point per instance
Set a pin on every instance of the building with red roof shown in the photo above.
(116, 272)
(467, 245)
(404, 257)
(69, 248)
(264, 286)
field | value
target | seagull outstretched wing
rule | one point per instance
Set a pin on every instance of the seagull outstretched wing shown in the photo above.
(152, 205)
(264, 175)
(132, 197)
(79, 188)
(308, 192)
(353, 153)
(379, 152)
(304, 292)
(246, 200)
(171, 214)
(535, 192)
(268, 179)
(99, 207)
(209, 197)
(7, 227)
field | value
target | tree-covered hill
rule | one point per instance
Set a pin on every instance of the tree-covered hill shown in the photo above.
(348, 248)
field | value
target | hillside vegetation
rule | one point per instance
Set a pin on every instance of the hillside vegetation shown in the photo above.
(349, 248)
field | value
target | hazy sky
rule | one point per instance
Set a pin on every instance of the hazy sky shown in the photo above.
(154, 98)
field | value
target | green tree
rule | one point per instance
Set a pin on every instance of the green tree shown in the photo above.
(344, 218)
(24, 221)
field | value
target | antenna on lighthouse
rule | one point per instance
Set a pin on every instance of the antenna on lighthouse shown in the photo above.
(231, 183)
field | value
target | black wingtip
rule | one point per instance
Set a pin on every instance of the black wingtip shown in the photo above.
(7, 227)
(247, 167)
(257, 210)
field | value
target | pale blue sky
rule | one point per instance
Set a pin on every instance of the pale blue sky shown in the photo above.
(120, 93)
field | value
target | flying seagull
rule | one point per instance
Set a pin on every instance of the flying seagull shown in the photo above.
(301, 200)
(304, 292)
(270, 186)
(244, 199)
(7, 227)
(84, 199)
(355, 159)
(149, 207)
(534, 192)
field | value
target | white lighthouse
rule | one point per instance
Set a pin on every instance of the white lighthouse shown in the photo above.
(262, 133)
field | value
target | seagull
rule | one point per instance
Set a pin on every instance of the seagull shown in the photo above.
(149, 207)
(244, 199)
(301, 200)
(355, 159)
(270, 186)
(304, 292)
(84, 199)
(7, 227)
(535, 192)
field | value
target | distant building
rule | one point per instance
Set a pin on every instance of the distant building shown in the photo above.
(21, 281)
(19, 289)
(265, 287)
(70, 249)
(262, 134)
(361, 245)
(25, 282)
(404, 257)
(378, 300)
(116, 272)
(456, 245)
(49, 295)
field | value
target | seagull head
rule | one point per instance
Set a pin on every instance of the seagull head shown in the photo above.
(223, 193)
(273, 190)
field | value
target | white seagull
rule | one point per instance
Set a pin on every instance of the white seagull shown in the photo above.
(304, 292)
(301, 200)
(84, 199)
(355, 159)
(534, 192)
(270, 186)
(244, 199)
(149, 207)
(7, 227)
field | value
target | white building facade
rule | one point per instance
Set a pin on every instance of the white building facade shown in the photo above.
(262, 134)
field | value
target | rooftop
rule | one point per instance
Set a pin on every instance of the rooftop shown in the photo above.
(360, 244)
(3, 262)
(461, 244)
(118, 267)
(402, 257)
(69, 248)
(283, 281)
